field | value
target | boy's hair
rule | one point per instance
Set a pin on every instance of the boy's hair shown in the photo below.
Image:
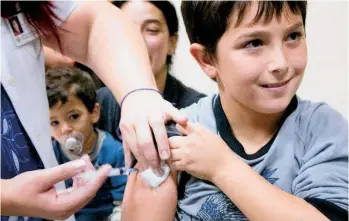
(170, 15)
(206, 21)
(64, 81)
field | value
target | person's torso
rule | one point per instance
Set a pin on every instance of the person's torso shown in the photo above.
(280, 165)
(25, 138)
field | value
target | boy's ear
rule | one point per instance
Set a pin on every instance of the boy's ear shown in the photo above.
(205, 62)
(96, 113)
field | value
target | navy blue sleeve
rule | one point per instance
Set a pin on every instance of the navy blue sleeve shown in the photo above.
(110, 111)
(330, 210)
(113, 154)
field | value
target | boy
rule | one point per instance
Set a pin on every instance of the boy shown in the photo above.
(256, 151)
(73, 113)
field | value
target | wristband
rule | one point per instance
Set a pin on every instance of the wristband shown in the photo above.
(135, 90)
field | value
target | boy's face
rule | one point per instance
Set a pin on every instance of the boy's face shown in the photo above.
(261, 66)
(73, 117)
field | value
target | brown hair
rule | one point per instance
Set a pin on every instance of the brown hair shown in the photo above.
(39, 14)
(62, 81)
(206, 21)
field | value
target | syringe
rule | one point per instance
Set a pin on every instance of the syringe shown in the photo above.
(120, 171)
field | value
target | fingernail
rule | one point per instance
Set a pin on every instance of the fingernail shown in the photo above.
(78, 164)
(164, 155)
(158, 172)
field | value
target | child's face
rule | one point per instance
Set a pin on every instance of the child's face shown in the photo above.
(73, 117)
(261, 66)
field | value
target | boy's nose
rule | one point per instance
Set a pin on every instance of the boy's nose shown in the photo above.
(278, 63)
(66, 129)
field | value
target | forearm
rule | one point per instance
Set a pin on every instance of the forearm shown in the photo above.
(260, 200)
(4, 198)
(144, 203)
(7, 205)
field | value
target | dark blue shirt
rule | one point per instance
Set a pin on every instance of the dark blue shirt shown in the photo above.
(18, 154)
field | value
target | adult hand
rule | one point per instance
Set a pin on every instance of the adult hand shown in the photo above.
(143, 112)
(201, 153)
(33, 193)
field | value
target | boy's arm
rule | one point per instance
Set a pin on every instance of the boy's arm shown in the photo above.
(141, 202)
(259, 200)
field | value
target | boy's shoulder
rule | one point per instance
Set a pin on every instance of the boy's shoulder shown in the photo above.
(309, 117)
(202, 112)
(314, 113)
(318, 119)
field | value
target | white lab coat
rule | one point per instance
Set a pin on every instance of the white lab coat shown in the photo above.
(23, 77)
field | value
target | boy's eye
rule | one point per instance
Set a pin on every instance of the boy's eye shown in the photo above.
(74, 116)
(294, 36)
(254, 44)
(54, 123)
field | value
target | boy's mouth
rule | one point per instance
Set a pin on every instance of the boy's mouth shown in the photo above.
(275, 85)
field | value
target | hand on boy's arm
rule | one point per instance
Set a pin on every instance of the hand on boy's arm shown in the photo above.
(201, 153)
(33, 193)
(142, 112)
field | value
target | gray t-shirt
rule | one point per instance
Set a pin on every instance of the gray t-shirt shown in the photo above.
(308, 159)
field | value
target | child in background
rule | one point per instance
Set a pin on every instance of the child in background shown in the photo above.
(73, 113)
(256, 151)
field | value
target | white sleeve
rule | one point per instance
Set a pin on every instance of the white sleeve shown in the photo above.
(63, 9)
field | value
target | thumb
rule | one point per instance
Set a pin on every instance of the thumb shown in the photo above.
(63, 172)
(79, 197)
(174, 114)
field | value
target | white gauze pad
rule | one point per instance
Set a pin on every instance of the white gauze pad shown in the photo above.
(152, 179)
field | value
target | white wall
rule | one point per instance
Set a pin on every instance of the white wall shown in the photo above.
(326, 76)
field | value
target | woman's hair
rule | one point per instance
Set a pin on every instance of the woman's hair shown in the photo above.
(170, 14)
(39, 14)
